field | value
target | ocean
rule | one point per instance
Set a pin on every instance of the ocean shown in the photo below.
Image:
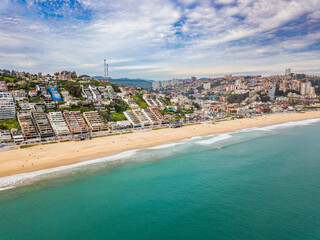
(258, 183)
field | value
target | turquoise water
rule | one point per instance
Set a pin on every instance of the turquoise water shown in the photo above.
(255, 184)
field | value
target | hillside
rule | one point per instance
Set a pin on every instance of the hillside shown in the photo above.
(147, 84)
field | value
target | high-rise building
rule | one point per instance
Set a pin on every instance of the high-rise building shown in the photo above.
(166, 83)
(299, 85)
(303, 89)
(272, 92)
(175, 81)
(308, 87)
(253, 82)
(288, 71)
(156, 85)
(207, 85)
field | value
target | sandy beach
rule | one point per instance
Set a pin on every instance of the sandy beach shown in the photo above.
(59, 154)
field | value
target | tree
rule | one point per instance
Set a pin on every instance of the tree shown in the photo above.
(74, 89)
(196, 105)
(73, 74)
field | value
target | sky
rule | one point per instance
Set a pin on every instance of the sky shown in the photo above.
(161, 39)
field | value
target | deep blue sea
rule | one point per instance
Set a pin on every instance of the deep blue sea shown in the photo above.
(258, 183)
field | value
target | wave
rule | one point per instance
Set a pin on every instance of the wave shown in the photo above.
(168, 145)
(13, 181)
(215, 139)
(185, 145)
(290, 124)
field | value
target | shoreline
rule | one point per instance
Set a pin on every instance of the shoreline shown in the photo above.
(42, 157)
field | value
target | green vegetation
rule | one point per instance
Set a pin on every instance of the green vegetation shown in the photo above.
(74, 89)
(159, 128)
(105, 116)
(166, 100)
(140, 101)
(35, 99)
(9, 79)
(28, 146)
(196, 105)
(48, 143)
(119, 106)
(81, 108)
(8, 124)
(237, 98)
(118, 116)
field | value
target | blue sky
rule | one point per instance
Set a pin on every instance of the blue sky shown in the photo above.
(161, 39)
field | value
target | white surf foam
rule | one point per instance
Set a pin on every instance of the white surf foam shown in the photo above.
(290, 124)
(169, 145)
(215, 139)
(25, 178)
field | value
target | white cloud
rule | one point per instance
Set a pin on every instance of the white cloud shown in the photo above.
(224, 1)
(140, 37)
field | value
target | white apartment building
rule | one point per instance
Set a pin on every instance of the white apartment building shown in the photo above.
(7, 106)
(207, 85)
(58, 124)
(156, 85)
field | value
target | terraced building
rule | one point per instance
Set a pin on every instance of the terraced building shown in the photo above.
(76, 123)
(95, 121)
(58, 124)
(42, 124)
(27, 126)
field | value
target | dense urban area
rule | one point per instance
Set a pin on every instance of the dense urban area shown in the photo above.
(37, 108)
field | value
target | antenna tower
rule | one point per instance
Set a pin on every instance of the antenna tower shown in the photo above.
(107, 72)
(105, 69)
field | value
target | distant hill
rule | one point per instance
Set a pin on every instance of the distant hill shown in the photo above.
(147, 84)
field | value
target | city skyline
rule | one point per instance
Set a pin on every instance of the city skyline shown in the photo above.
(161, 39)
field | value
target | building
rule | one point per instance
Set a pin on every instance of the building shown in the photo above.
(303, 89)
(132, 118)
(272, 92)
(42, 124)
(55, 94)
(3, 86)
(66, 96)
(7, 106)
(95, 92)
(253, 82)
(175, 82)
(75, 122)
(58, 124)
(27, 126)
(17, 135)
(86, 93)
(144, 120)
(193, 79)
(42, 89)
(33, 93)
(112, 93)
(207, 85)
(153, 100)
(5, 136)
(165, 84)
(156, 85)
(288, 71)
(308, 87)
(152, 118)
(19, 95)
(95, 121)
